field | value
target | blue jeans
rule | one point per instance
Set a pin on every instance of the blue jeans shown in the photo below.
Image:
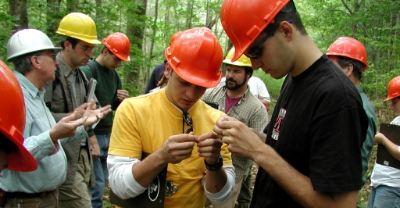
(100, 171)
(384, 197)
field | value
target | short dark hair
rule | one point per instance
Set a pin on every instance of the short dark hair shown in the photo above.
(289, 12)
(73, 42)
(357, 65)
(248, 70)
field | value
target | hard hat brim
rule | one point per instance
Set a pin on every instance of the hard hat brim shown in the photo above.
(19, 159)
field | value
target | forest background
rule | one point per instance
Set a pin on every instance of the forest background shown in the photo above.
(149, 24)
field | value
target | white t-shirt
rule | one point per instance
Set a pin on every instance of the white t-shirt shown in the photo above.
(257, 87)
(386, 175)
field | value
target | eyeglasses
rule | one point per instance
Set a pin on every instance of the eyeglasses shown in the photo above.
(53, 56)
(257, 50)
(86, 48)
(188, 120)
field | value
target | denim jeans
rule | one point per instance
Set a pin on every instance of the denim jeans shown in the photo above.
(384, 197)
(100, 171)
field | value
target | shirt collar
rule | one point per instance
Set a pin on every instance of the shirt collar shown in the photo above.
(27, 85)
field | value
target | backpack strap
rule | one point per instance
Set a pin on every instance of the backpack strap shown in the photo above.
(93, 69)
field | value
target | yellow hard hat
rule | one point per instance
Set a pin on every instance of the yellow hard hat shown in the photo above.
(80, 26)
(241, 61)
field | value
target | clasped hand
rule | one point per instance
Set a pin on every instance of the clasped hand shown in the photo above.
(241, 139)
(180, 147)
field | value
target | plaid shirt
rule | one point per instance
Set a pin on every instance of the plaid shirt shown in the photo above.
(248, 110)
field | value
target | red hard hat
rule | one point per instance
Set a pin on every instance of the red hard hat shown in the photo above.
(196, 56)
(119, 44)
(244, 20)
(12, 121)
(393, 89)
(350, 48)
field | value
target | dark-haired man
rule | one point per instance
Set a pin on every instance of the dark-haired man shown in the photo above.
(312, 155)
(236, 100)
(108, 92)
(66, 94)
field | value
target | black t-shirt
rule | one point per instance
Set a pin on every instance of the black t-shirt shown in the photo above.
(318, 126)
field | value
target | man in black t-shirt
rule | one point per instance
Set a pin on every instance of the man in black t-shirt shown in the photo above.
(312, 153)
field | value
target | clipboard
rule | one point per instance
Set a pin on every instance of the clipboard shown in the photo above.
(383, 156)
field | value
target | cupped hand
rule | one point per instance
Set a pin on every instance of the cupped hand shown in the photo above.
(66, 127)
(178, 147)
(209, 147)
(241, 139)
(93, 115)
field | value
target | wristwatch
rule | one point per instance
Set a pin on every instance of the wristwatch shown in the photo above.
(215, 166)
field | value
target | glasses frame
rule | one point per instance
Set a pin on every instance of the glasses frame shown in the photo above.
(86, 48)
(257, 51)
(52, 56)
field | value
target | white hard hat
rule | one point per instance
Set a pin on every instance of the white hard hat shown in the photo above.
(28, 41)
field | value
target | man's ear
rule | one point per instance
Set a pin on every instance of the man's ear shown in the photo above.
(35, 62)
(104, 51)
(168, 70)
(348, 70)
(287, 30)
(67, 45)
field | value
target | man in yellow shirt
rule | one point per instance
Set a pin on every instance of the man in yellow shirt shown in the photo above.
(175, 128)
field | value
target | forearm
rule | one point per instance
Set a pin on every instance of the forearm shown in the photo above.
(39, 146)
(121, 180)
(297, 185)
(215, 180)
(145, 171)
(226, 192)
(93, 141)
(392, 148)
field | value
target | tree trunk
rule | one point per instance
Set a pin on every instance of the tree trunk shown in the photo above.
(135, 32)
(19, 11)
(53, 18)
(189, 10)
(154, 29)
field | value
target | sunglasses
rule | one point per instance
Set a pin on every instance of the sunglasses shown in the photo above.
(256, 51)
(188, 120)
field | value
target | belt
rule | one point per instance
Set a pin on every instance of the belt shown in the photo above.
(28, 195)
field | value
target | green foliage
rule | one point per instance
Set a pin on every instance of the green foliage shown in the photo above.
(273, 86)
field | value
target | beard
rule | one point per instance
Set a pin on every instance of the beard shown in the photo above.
(232, 84)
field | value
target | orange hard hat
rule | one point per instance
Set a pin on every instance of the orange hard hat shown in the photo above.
(196, 56)
(350, 48)
(393, 89)
(12, 121)
(119, 44)
(244, 20)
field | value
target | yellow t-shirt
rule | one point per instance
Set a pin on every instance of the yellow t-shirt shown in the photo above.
(144, 123)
